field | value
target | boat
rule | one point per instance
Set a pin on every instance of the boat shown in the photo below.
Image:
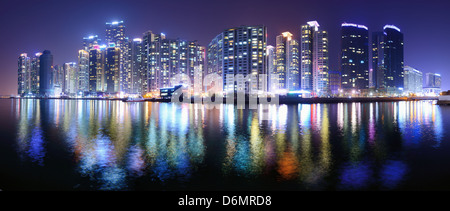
(134, 99)
(444, 98)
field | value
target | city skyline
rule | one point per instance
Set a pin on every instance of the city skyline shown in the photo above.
(63, 54)
(145, 65)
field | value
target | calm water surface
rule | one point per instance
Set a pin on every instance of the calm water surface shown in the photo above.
(111, 145)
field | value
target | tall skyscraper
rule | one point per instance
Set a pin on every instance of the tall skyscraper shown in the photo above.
(215, 55)
(168, 55)
(35, 68)
(271, 68)
(354, 57)
(115, 33)
(413, 81)
(243, 51)
(45, 74)
(24, 77)
(96, 70)
(147, 42)
(193, 59)
(71, 78)
(393, 59)
(287, 62)
(137, 70)
(314, 58)
(112, 69)
(83, 71)
(59, 80)
(152, 60)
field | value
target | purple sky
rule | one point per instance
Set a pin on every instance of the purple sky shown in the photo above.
(30, 26)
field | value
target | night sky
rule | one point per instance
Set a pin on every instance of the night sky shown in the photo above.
(30, 26)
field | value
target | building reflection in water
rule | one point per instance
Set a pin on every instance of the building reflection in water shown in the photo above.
(30, 138)
(317, 146)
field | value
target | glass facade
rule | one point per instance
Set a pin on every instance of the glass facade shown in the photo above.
(354, 57)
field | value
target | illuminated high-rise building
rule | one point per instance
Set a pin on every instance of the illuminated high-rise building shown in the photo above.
(70, 78)
(152, 60)
(287, 62)
(387, 60)
(191, 58)
(83, 71)
(271, 68)
(314, 59)
(354, 57)
(112, 69)
(393, 59)
(168, 55)
(115, 33)
(215, 55)
(243, 51)
(45, 74)
(136, 66)
(35, 68)
(24, 77)
(96, 70)
(147, 41)
(59, 80)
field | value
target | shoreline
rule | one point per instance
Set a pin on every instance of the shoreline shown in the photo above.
(282, 100)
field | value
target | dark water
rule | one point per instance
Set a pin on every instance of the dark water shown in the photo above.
(111, 145)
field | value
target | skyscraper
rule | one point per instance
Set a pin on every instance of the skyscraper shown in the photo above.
(71, 78)
(24, 77)
(354, 57)
(35, 68)
(314, 58)
(147, 43)
(45, 74)
(112, 71)
(137, 70)
(243, 51)
(215, 55)
(83, 71)
(115, 33)
(96, 70)
(271, 68)
(393, 59)
(152, 60)
(287, 62)
(59, 80)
